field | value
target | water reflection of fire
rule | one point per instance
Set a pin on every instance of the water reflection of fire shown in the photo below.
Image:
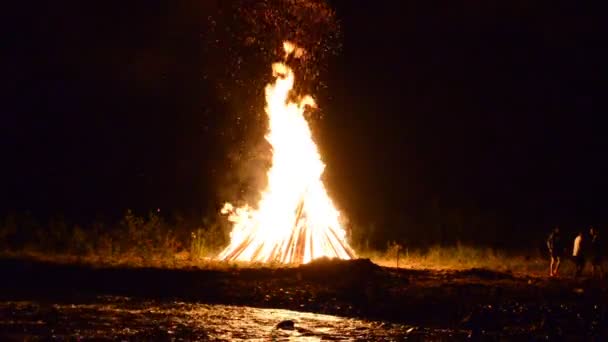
(295, 220)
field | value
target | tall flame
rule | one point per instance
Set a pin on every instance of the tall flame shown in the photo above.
(295, 220)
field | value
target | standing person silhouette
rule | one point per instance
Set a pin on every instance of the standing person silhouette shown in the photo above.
(596, 253)
(556, 251)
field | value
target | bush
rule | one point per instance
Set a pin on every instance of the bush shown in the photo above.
(139, 240)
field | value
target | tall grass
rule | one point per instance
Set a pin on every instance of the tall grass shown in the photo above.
(135, 240)
(151, 241)
(459, 256)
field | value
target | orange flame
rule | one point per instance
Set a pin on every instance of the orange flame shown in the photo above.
(296, 221)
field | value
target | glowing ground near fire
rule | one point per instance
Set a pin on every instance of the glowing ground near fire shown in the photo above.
(295, 220)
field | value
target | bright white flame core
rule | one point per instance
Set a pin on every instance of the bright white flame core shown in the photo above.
(296, 221)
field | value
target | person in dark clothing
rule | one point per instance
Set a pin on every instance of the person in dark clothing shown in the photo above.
(556, 251)
(596, 253)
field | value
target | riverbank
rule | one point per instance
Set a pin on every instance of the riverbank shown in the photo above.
(478, 300)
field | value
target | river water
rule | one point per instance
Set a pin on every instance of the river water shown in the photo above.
(123, 318)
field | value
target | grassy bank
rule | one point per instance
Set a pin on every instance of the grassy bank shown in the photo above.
(464, 257)
(133, 241)
(151, 241)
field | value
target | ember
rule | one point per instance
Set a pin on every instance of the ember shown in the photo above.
(295, 220)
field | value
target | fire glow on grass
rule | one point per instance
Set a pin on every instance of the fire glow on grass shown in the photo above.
(295, 220)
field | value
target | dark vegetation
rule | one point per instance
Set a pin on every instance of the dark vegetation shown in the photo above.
(136, 240)
(153, 240)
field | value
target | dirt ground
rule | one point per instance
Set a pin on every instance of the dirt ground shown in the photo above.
(484, 302)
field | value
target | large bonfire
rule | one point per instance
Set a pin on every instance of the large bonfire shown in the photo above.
(295, 220)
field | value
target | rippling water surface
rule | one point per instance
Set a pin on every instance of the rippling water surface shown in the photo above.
(129, 318)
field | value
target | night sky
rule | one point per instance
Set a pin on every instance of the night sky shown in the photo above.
(428, 111)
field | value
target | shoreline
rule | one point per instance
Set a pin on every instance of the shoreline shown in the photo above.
(476, 299)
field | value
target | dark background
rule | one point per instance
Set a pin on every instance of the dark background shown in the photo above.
(476, 121)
